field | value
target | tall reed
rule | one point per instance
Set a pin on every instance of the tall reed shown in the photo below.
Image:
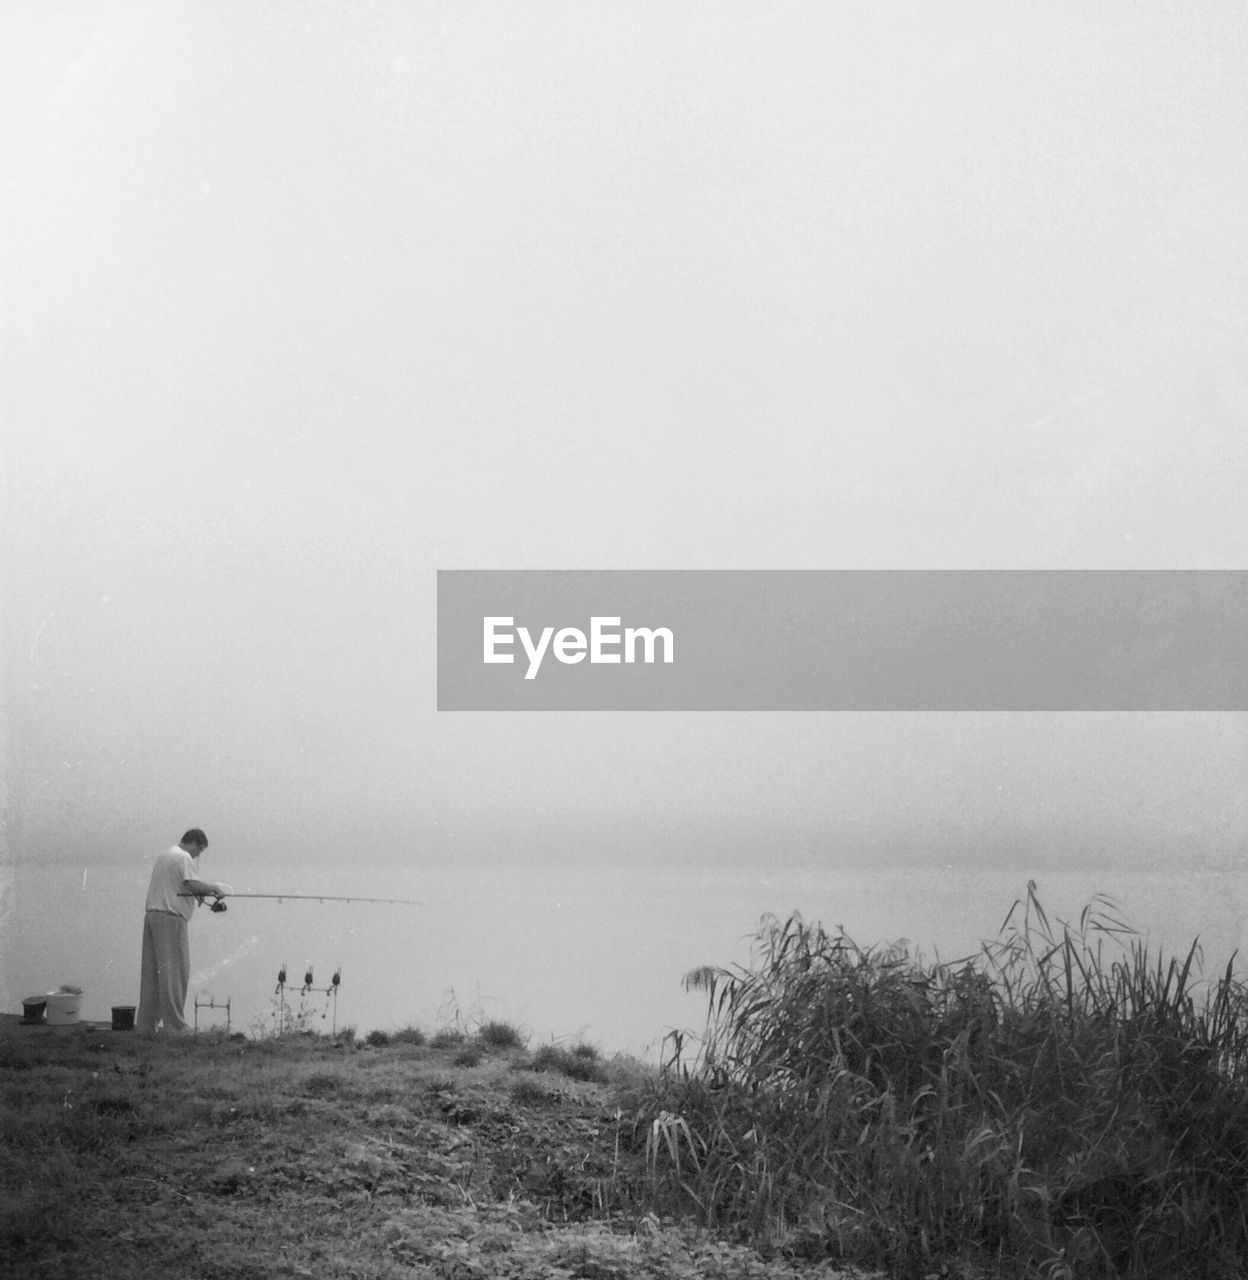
(1064, 1103)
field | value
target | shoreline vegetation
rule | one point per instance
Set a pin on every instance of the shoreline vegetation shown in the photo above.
(1064, 1105)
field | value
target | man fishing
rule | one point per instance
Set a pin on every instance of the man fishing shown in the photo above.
(173, 893)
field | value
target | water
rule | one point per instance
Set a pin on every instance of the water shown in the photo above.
(564, 952)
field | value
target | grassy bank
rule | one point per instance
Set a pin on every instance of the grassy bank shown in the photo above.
(1065, 1105)
(460, 1157)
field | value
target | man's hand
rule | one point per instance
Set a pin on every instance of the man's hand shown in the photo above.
(218, 896)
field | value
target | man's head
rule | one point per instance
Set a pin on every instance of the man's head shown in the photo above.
(194, 842)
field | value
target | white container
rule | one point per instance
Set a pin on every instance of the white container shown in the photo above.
(63, 1007)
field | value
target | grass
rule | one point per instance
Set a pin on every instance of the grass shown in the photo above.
(226, 1158)
(1065, 1105)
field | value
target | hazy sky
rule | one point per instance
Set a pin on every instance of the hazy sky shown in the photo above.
(303, 302)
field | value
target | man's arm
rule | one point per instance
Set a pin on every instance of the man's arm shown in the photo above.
(205, 888)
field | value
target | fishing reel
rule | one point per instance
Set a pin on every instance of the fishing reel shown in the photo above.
(219, 905)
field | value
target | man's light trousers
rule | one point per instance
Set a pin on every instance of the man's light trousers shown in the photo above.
(166, 972)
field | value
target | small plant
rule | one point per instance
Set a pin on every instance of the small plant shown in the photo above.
(378, 1039)
(469, 1055)
(568, 1062)
(500, 1035)
(447, 1038)
(408, 1035)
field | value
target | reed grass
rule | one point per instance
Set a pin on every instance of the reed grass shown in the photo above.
(1066, 1103)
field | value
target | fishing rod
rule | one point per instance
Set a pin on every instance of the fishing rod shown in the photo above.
(219, 904)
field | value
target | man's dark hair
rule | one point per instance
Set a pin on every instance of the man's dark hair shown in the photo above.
(195, 836)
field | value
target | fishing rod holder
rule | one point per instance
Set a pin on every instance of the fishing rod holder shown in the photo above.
(212, 1003)
(307, 989)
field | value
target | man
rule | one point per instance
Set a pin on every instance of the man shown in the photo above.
(173, 893)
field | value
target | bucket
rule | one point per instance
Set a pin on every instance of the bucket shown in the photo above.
(32, 1010)
(63, 1006)
(123, 1017)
